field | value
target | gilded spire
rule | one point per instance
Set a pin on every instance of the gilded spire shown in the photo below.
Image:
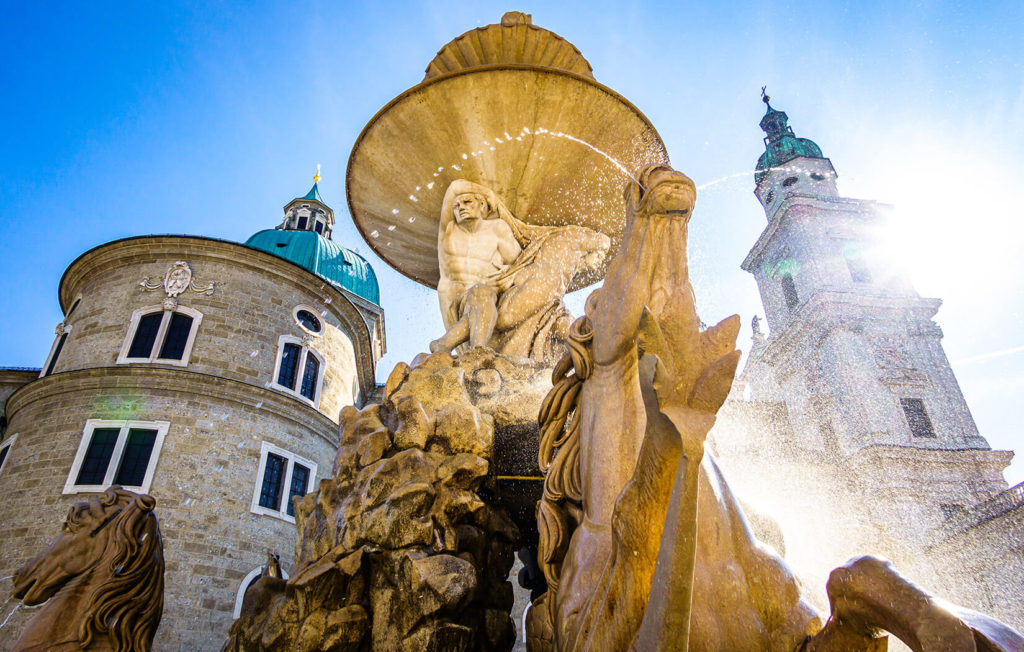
(316, 177)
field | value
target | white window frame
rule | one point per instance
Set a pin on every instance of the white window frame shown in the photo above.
(115, 457)
(301, 370)
(7, 443)
(66, 331)
(291, 458)
(312, 311)
(161, 333)
(240, 593)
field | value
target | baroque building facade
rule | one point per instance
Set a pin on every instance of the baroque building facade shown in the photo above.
(847, 424)
(207, 373)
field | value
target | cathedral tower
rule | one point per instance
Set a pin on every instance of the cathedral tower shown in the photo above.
(849, 403)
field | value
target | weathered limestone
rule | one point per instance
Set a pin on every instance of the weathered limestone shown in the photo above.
(404, 547)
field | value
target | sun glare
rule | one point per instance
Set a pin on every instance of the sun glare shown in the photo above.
(953, 221)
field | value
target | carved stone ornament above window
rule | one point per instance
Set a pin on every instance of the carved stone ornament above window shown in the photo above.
(890, 353)
(61, 329)
(177, 279)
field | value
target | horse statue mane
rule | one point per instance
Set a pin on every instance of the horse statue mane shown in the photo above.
(102, 579)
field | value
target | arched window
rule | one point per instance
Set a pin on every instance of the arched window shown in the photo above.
(298, 370)
(789, 291)
(159, 335)
(243, 586)
(58, 346)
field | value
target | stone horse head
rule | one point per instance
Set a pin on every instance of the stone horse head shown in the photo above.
(101, 579)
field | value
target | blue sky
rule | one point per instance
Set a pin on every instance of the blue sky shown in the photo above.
(128, 119)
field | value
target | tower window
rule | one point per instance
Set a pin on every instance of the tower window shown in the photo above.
(116, 452)
(58, 346)
(282, 476)
(789, 291)
(301, 224)
(298, 370)
(5, 450)
(319, 227)
(917, 417)
(789, 181)
(859, 271)
(158, 335)
(817, 176)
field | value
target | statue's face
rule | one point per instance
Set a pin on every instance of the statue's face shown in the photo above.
(469, 206)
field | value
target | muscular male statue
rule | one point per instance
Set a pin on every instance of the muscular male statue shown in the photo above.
(502, 281)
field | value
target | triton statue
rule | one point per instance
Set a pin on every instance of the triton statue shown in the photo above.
(501, 280)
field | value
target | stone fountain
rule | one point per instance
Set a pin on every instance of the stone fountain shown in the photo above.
(506, 178)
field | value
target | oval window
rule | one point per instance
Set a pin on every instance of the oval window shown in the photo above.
(789, 181)
(309, 321)
(818, 177)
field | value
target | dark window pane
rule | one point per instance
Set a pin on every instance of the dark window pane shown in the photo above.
(308, 320)
(273, 481)
(56, 354)
(97, 456)
(135, 458)
(3, 456)
(177, 337)
(145, 335)
(309, 377)
(301, 226)
(289, 365)
(858, 270)
(917, 418)
(319, 227)
(300, 485)
(789, 291)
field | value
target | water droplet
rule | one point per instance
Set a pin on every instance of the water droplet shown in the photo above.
(394, 211)
(430, 185)
(391, 228)
(413, 197)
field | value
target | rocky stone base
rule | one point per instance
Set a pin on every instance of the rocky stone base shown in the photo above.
(404, 547)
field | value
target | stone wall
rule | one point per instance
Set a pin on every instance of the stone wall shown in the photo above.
(204, 480)
(11, 380)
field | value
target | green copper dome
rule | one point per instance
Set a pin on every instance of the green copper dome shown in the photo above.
(781, 144)
(325, 258)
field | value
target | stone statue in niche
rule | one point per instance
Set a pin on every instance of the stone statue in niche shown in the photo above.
(502, 281)
(635, 557)
(102, 579)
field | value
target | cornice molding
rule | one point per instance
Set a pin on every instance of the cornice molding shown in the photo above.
(163, 380)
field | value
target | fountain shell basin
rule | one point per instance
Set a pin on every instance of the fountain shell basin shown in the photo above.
(556, 146)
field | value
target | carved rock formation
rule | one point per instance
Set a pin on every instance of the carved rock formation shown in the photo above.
(403, 547)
